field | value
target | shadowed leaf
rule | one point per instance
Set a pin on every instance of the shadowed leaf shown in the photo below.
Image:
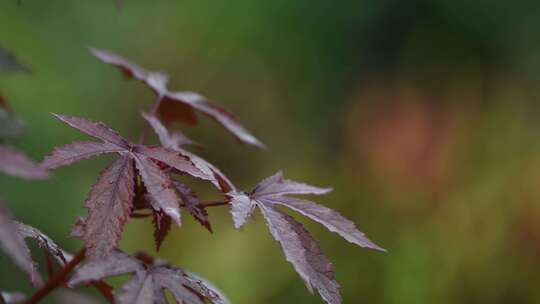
(162, 226)
(171, 111)
(13, 244)
(139, 290)
(116, 263)
(150, 278)
(43, 241)
(192, 204)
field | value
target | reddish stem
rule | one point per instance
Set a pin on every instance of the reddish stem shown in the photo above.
(105, 289)
(215, 204)
(58, 279)
(50, 265)
(140, 215)
(204, 205)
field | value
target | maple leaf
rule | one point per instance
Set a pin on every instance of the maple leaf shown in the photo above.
(116, 263)
(304, 253)
(191, 101)
(12, 236)
(299, 247)
(174, 142)
(149, 280)
(170, 111)
(110, 200)
(11, 297)
(44, 242)
(13, 244)
(193, 204)
(109, 204)
(15, 163)
(162, 226)
(162, 222)
(190, 199)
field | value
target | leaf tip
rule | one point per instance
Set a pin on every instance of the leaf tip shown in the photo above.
(42, 174)
(377, 248)
(326, 190)
(96, 52)
(175, 215)
(60, 117)
(258, 144)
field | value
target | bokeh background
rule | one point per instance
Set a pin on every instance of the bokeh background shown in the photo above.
(423, 115)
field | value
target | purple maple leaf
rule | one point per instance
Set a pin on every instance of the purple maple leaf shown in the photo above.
(170, 141)
(12, 236)
(157, 81)
(299, 247)
(149, 280)
(110, 200)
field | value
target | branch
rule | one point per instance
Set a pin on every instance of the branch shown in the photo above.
(50, 265)
(215, 204)
(140, 215)
(105, 290)
(58, 279)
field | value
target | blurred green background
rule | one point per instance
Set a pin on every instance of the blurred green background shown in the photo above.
(423, 115)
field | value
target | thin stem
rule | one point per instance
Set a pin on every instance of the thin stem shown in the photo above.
(50, 265)
(215, 204)
(153, 111)
(105, 289)
(57, 279)
(140, 215)
(211, 204)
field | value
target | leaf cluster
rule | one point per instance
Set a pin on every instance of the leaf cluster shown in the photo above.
(143, 181)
